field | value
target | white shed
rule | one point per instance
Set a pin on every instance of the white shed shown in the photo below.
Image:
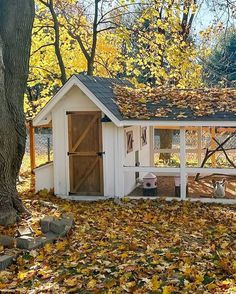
(99, 152)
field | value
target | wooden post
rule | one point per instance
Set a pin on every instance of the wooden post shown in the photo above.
(152, 146)
(213, 146)
(183, 176)
(119, 163)
(199, 145)
(32, 146)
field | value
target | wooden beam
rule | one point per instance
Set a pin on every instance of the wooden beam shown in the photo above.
(32, 146)
(152, 145)
(183, 178)
(199, 145)
(213, 145)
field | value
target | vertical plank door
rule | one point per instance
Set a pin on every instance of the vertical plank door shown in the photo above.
(85, 153)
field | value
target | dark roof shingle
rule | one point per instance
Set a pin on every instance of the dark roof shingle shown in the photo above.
(103, 89)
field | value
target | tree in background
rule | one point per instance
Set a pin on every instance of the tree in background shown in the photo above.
(159, 46)
(220, 66)
(16, 20)
(46, 71)
(159, 50)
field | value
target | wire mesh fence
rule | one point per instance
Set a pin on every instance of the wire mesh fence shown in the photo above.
(196, 144)
(43, 148)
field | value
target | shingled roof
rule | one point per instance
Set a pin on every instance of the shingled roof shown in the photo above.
(103, 89)
(122, 100)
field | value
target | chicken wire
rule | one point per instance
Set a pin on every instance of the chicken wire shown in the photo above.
(193, 157)
(43, 148)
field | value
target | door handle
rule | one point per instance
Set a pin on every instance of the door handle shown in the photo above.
(100, 153)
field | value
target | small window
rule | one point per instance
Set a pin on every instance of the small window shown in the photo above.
(129, 141)
(144, 136)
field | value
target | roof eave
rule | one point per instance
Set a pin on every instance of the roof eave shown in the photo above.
(185, 123)
(44, 116)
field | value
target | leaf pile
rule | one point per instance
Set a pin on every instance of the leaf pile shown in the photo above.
(147, 103)
(143, 246)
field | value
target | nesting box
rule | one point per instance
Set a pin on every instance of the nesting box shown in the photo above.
(150, 185)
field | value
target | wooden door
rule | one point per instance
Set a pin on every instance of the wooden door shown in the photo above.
(85, 153)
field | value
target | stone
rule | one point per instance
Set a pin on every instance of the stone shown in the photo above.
(58, 226)
(24, 231)
(29, 243)
(7, 241)
(69, 220)
(5, 261)
(45, 223)
(49, 237)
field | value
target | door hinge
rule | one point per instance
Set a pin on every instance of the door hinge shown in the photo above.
(100, 153)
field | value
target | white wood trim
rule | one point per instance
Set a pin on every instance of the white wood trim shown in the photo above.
(119, 160)
(175, 150)
(183, 180)
(42, 119)
(188, 170)
(66, 140)
(102, 198)
(177, 123)
(203, 200)
(45, 111)
(151, 143)
(205, 170)
(151, 169)
(43, 166)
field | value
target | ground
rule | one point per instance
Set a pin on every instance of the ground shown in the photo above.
(201, 189)
(134, 246)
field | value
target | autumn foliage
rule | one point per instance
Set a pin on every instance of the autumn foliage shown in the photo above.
(145, 246)
(133, 103)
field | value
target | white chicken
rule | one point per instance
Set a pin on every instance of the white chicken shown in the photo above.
(219, 188)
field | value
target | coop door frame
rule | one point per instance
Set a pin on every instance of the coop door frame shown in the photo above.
(98, 154)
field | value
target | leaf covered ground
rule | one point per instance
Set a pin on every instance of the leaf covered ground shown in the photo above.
(131, 247)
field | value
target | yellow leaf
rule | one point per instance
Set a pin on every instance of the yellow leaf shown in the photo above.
(71, 282)
(22, 275)
(155, 283)
(61, 245)
(167, 290)
(91, 283)
(199, 278)
(48, 248)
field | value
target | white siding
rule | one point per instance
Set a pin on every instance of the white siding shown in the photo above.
(109, 133)
(44, 177)
(129, 160)
(76, 100)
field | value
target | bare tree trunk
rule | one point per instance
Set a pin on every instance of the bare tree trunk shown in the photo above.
(165, 143)
(57, 43)
(16, 20)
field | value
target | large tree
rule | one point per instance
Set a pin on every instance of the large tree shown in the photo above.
(220, 66)
(16, 20)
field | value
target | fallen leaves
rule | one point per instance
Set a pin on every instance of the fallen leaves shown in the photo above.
(149, 246)
(164, 102)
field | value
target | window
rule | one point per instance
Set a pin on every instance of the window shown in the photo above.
(144, 136)
(129, 141)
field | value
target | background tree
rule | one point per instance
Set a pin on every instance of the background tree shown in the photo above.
(220, 66)
(45, 72)
(16, 19)
(86, 21)
(160, 49)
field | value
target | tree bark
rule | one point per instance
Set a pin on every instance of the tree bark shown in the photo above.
(57, 43)
(16, 20)
(165, 143)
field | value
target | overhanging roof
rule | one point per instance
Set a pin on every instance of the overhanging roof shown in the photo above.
(100, 91)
